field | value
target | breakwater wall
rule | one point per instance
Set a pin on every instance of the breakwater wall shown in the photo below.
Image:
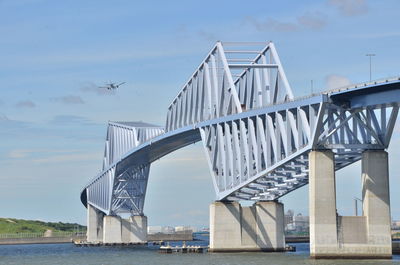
(297, 239)
(170, 237)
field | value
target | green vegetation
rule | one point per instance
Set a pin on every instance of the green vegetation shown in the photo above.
(11, 226)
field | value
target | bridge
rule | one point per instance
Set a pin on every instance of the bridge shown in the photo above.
(261, 143)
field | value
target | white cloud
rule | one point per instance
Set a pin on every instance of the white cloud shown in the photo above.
(271, 24)
(309, 20)
(350, 7)
(72, 57)
(3, 117)
(69, 158)
(70, 99)
(336, 81)
(25, 104)
(207, 35)
(93, 88)
(50, 155)
(19, 153)
(314, 21)
(70, 119)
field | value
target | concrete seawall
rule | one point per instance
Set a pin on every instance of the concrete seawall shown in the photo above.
(297, 239)
(69, 239)
(170, 237)
(39, 240)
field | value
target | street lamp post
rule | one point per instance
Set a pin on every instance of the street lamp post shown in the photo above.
(370, 64)
(312, 87)
(356, 200)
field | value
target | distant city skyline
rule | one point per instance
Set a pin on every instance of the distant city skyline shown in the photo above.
(53, 116)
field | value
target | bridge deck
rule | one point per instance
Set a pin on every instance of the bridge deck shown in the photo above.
(291, 171)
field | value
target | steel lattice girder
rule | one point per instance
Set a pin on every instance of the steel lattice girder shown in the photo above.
(123, 136)
(222, 85)
(273, 147)
(255, 135)
(129, 190)
(113, 192)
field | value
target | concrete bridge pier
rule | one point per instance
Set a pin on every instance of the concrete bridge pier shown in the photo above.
(94, 224)
(334, 236)
(134, 229)
(259, 227)
(114, 229)
(112, 232)
(119, 230)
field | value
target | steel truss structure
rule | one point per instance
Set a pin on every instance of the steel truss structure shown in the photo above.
(229, 82)
(125, 192)
(265, 156)
(256, 136)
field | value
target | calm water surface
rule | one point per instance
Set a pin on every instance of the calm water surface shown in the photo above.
(65, 254)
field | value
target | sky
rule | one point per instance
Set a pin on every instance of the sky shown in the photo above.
(53, 116)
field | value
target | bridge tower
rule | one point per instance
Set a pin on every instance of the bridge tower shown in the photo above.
(233, 79)
(115, 198)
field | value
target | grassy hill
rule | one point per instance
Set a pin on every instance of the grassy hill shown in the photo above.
(11, 226)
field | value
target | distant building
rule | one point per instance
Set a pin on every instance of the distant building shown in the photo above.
(194, 229)
(288, 218)
(171, 230)
(154, 229)
(296, 223)
(301, 223)
(167, 230)
(160, 229)
(185, 229)
(396, 225)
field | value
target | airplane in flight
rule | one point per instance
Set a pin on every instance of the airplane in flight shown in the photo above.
(112, 85)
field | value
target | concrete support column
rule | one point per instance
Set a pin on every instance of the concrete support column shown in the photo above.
(376, 202)
(134, 229)
(270, 225)
(131, 230)
(322, 204)
(94, 232)
(112, 229)
(333, 236)
(256, 228)
(225, 226)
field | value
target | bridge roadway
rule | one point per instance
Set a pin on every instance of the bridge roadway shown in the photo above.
(373, 94)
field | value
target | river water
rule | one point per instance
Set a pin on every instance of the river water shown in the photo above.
(65, 254)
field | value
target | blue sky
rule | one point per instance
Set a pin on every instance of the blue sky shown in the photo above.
(53, 54)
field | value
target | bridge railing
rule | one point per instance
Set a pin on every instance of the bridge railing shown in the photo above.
(364, 84)
(99, 190)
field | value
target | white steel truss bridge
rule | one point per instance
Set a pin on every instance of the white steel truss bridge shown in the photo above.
(256, 134)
